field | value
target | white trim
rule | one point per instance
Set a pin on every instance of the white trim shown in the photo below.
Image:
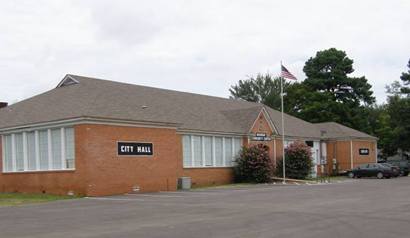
(223, 152)
(67, 77)
(86, 120)
(203, 151)
(25, 156)
(50, 149)
(192, 151)
(210, 133)
(209, 167)
(267, 119)
(213, 152)
(351, 154)
(3, 152)
(63, 157)
(39, 171)
(37, 150)
(270, 121)
(274, 152)
(13, 152)
(375, 152)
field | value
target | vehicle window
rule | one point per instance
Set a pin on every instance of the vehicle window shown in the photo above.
(363, 166)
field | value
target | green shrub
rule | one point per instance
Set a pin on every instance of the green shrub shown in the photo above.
(298, 161)
(254, 165)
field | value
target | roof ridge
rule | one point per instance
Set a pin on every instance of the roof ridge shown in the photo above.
(162, 89)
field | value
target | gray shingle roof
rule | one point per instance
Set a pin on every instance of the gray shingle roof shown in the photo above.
(98, 98)
(335, 130)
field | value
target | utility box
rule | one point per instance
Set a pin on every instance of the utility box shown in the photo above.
(184, 183)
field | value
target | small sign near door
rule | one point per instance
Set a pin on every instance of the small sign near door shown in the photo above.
(363, 151)
(135, 148)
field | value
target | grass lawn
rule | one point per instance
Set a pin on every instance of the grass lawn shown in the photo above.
(15, 199)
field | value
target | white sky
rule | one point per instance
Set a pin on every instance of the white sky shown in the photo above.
(196, 46)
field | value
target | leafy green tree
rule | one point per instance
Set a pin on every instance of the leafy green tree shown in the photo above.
(405, 77)
(329, 93)
(263, 88)
(398, 109)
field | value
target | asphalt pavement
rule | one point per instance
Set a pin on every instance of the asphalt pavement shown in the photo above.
(352, 208)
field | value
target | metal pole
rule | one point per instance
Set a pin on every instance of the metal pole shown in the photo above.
(283, 128)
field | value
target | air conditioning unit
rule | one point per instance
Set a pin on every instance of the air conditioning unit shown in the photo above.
(184, 183)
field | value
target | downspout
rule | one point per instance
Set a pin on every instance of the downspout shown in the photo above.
(375, 151)
(351, 154)
(274, 151)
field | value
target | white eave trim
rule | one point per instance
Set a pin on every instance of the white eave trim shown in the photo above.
(87, 120)
(67, 78)
(267, 118)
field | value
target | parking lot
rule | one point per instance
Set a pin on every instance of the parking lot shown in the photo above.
(352, 208)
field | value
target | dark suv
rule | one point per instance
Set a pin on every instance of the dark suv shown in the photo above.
(399, 161)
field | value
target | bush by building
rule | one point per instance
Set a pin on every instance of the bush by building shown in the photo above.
(298, 161)
(254, 165)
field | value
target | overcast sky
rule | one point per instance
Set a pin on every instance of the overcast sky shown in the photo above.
(196, 46)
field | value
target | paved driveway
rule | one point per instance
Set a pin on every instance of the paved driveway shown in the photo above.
(356, 208)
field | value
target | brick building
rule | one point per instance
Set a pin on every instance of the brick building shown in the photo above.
(97, 137)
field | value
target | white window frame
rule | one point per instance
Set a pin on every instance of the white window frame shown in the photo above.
(37, 151)
(224, 159)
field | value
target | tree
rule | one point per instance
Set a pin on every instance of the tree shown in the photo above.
(263, 89)
(330, 94)
(254, 165)
(398, 109)
(405, 77)
(298, 161)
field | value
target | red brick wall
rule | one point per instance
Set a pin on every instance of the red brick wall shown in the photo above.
(109, 173)
(209, 176)
(100, 171)
(341, 151)
(49, 182)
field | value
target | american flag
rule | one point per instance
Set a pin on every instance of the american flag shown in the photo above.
(286, 74)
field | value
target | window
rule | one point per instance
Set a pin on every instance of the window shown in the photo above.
(18, 142)
(187, 152)
(228, 151)
(197, 140)
(31, 151)
(309, 143)
(8, 156)
(41, 150)
(69, 148)
(56, 148)
(210, 151)
(219, 160)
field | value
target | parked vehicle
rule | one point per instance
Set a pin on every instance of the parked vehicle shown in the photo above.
(371, 170)
(400, 161)
(396, 170)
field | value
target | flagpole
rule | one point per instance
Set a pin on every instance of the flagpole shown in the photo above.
(283, 128)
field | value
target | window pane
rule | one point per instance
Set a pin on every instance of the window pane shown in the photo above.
(208, 150)
(43, 149)
(218, 151)
(69, 148)
(8, 160)
(238, 145)
(56, 148)
(19, 152)
(228, 151)
(186, 145)
(31, 151)
(197, 151)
